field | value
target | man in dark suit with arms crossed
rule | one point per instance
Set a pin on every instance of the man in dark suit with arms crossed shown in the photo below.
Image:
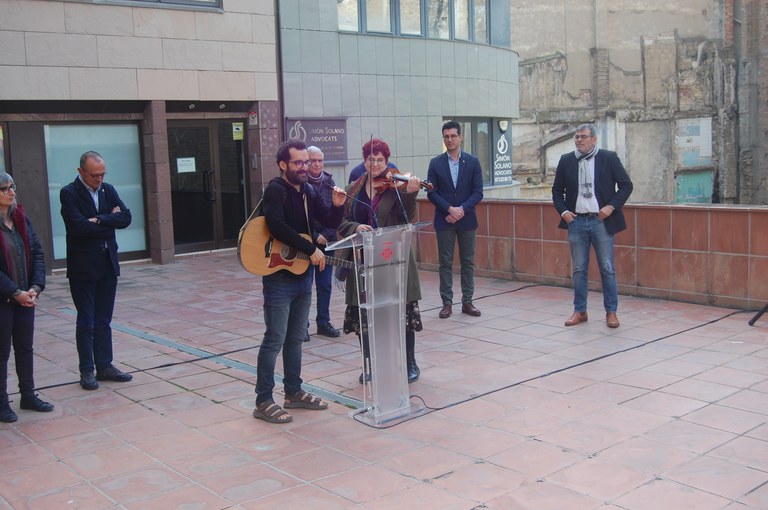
(92, 210)
(457, 188)
(589, 190)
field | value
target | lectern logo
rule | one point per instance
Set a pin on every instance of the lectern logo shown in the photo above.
(387, 252)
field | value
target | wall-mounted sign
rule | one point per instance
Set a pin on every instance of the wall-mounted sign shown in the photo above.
(237, 130)
(502, 153)
(185, 165)
(328, 133)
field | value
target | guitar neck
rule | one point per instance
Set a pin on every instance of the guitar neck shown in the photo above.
(334, 261)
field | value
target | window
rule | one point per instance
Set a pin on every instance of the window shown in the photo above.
(2, 149)
(461, 17)
(211, 3)
(438, 19)
(348, 15)
(378, 16)
(121, 147)
(478, 142)
(410, 17)
(480, 21)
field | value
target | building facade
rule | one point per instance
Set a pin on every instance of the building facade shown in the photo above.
(187, 100)
(179, 96)
(678, 90)
(397, 70)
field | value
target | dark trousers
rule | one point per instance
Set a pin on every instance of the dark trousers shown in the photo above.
(446, 241)
(323, 288)
(17, 326)
(95, 302)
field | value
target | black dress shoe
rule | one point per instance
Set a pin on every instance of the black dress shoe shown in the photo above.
(34, 403)
(88, 381)
(413, 371)
(470, 309)
(445, 311)
(7, 415)
(110, 373)
(367, 378)
(328, 330)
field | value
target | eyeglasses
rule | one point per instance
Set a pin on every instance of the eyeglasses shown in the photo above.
(315, 161)
(450, 137)
(95, 176)
(582, 137)
(300, 164)
(7, 189)
(376, 161)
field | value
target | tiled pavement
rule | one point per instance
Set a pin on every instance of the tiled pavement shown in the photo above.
(667, 412)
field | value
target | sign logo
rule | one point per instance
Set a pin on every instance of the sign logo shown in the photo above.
(297, 131)
(502, 145)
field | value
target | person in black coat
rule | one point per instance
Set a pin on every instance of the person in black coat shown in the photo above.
(92, 211)
(589, 190)
(22, 279)
(290, 205)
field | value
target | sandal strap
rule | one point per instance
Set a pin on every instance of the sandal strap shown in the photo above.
(305, 397)
(271, 409)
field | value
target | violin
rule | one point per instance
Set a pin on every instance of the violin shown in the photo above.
(393, 179)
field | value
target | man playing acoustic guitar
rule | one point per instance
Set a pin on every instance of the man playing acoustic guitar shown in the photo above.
(289, 206)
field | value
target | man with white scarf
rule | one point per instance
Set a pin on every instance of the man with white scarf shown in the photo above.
(589, 190)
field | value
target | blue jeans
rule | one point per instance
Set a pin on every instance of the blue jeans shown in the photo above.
(584, 232)
(95, 303)
(323, 288)
(286, 310)
(446, 241)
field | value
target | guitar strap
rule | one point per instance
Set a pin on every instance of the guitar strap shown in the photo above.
(256, 212)
(306, 215)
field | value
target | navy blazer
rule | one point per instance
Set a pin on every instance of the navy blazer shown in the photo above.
(467, 193)
(612, 187)
(87, 241)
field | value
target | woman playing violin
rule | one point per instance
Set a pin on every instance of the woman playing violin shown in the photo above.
(379, 201)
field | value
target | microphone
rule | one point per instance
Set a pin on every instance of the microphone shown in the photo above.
(400, 177)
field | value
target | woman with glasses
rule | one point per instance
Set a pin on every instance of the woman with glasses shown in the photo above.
(22, 279)
(376, 203)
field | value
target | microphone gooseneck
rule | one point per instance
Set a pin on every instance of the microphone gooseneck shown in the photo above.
(373, 214)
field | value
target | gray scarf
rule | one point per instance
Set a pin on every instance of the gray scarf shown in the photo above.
(585, 183)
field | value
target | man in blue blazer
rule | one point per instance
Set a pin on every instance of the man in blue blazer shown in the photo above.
(92, 210)
(589, 190)
(457, 188)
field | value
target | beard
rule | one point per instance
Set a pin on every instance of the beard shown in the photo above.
(297, 177)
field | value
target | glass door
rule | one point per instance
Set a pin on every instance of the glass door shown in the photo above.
(207, 184)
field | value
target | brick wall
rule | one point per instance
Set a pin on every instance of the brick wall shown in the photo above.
(705, 254)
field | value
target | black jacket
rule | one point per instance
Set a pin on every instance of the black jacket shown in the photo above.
(86, 241)
(283, 209)
(612, 187)
(34, 257)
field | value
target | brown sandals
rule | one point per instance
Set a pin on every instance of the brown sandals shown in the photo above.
(271, 413)
(303, 400)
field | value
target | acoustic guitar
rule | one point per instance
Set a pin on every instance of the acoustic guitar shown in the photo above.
(261, 254)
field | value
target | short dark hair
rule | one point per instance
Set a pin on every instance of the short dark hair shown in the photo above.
(89, 155)
(284, 151)
(452, 124)
(375, 145)
(591, 127)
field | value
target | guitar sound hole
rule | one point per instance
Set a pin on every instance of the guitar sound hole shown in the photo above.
(288, 253)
